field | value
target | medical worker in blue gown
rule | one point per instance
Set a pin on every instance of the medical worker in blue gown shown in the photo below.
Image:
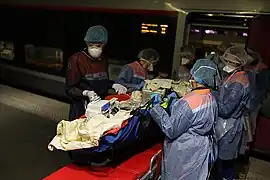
(232, 102)
(132, 76)
(258, 91)
(215, 57)
(188, 147)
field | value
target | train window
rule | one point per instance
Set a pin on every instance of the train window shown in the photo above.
(47, 33)
(46, 57)
(207, 32)
(114, 71)
(7, 50)
(206, 39)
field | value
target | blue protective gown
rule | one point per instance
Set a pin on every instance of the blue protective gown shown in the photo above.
(257, 93)
(131, 76)
(187, 147)
(232, 104)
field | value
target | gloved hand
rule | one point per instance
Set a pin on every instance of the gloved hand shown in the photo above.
(120, 89)
(140, 86)
(156, 98)
(91, 95)
(173, 95)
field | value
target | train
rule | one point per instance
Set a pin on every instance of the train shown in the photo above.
(37, 38)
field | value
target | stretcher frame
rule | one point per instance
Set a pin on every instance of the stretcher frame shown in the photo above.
(152, 173)
(154, 167)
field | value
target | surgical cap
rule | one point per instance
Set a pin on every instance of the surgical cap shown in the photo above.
(96, 34)
(224, 46)
(235, 56)
(205, 72)
(149, 55)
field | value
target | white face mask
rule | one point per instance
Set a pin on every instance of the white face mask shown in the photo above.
(229, 69)
(95, 52)
(185, 61)
(151, 68)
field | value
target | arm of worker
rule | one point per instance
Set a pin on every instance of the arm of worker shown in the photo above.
(229, 99)
(175, 124)
(125, 78)
(73, 78)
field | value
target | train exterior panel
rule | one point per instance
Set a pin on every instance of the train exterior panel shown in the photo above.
(181, 9)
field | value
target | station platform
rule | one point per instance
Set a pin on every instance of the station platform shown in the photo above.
(28, 123)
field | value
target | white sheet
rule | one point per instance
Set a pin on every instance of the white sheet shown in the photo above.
(85, 133)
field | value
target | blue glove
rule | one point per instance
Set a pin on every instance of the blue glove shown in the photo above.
(156, 98)
(141, 85)
(172, 95)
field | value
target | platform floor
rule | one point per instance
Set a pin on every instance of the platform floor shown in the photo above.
(28, 123)
(258, 170)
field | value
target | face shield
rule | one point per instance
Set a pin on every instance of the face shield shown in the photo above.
(150, 64)
(234, 58)
(150, 57)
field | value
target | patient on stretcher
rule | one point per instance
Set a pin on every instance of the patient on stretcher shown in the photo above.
(86, 132)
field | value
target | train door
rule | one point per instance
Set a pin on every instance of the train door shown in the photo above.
(208, 30)
(259, 38)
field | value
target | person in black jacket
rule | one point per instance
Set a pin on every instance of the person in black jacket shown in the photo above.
(87, 75)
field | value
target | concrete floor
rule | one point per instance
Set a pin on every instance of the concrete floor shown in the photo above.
(24, 138)
(25, 131)
(258, 170)
(28, 123)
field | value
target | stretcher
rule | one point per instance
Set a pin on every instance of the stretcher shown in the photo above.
(142, 166)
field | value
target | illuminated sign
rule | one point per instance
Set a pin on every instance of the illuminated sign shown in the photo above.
(154, 28)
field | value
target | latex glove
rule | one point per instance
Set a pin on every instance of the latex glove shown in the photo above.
(120, 89)
(173, 95)
(156, 98)
(91, 95)
(140, 86)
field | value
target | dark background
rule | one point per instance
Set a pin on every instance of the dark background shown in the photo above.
(65, 29)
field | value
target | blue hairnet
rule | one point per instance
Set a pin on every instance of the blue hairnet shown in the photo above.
(96, 34)
(205, 72)
(149, 55)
